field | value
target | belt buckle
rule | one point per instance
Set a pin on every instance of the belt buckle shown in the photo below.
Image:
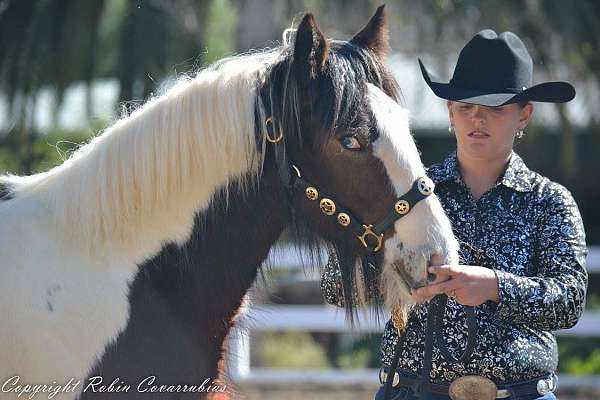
(383, 376)
(473, 387)
(545, 386)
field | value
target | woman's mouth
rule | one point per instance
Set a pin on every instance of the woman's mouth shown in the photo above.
(478, 134)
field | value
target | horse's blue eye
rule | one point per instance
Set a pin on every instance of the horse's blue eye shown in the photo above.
(351, 143)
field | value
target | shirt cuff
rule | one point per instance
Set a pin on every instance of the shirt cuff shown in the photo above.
(506, 283)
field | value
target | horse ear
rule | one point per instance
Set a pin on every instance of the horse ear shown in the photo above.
(375, 36)
(310, 48)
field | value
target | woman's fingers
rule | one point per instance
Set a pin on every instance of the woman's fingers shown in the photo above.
(446, 270)
(437, 288)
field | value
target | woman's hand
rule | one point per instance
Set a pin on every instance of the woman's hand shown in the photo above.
(469, 285)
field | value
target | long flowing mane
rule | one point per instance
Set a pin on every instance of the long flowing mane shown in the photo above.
(159, 164)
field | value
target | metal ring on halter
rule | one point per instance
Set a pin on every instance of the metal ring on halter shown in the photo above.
(278, 138)
(297, 171)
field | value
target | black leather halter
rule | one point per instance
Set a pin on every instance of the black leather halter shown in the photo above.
(294, 182)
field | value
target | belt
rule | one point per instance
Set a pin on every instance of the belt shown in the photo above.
(472, 386)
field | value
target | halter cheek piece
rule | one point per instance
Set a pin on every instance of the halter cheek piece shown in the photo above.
(371, 237)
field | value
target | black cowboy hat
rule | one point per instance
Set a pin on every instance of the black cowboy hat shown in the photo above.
(493, 70)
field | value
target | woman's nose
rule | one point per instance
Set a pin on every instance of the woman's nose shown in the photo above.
(478, 114)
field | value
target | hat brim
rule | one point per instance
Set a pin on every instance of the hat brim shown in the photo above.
(549, 92)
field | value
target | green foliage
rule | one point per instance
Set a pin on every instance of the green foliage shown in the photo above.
(363, 353)
(220, 31)
(46, 43)
(40, 155)
(299, 350)
(291, 350)
(575, 356)
(593, 301)
(589, 365)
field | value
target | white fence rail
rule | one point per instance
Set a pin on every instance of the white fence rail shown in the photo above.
(321, 318)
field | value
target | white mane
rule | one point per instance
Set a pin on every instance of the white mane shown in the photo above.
(139, 183)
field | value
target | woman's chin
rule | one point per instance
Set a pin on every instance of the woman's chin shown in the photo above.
(480, 149)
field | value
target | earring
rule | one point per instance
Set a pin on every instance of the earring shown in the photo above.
(450, 128)
(519, 134)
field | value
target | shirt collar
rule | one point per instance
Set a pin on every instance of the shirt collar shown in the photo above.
(516, 176)
(445, 171)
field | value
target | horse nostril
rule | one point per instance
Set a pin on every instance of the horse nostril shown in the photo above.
(435, 259)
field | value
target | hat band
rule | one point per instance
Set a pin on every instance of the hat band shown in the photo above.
(490, 90)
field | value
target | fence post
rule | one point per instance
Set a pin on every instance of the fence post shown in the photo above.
(238, 355)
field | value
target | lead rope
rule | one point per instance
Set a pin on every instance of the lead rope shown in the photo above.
(399, 322)
(435, 314)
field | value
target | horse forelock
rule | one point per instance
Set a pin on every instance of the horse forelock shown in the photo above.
(337, 94)
(337, 100)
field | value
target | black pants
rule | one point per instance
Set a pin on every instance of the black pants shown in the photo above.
(404, 393)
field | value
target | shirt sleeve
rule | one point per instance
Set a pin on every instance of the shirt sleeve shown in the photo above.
(555, 298)
(331, 282)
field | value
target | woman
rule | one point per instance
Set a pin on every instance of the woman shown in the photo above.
(522, 239)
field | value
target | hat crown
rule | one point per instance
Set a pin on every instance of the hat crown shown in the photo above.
(495, 63)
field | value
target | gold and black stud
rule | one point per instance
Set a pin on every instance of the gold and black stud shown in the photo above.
(311, 193)
(402, 207)
(327, 206)
(343, 219)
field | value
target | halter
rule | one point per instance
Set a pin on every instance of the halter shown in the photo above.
(370, 235)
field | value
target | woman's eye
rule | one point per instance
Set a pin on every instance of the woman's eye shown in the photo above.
(351, 143)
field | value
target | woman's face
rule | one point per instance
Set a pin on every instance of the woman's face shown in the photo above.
(487, 132)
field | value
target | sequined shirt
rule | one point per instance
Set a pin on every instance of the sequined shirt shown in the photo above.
(529, 230)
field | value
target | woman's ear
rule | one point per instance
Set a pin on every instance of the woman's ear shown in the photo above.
(450, 113)
(525, 115)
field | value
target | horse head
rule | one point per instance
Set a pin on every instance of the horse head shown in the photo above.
(332, 121)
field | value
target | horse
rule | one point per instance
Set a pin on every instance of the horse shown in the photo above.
(124, 268)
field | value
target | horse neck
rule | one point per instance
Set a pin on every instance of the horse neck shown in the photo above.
(184, 300)
(140, 183)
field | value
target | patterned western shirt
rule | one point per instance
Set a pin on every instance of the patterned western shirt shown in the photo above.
(529, 230)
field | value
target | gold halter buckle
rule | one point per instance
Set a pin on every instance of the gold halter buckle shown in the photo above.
(369, 231)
